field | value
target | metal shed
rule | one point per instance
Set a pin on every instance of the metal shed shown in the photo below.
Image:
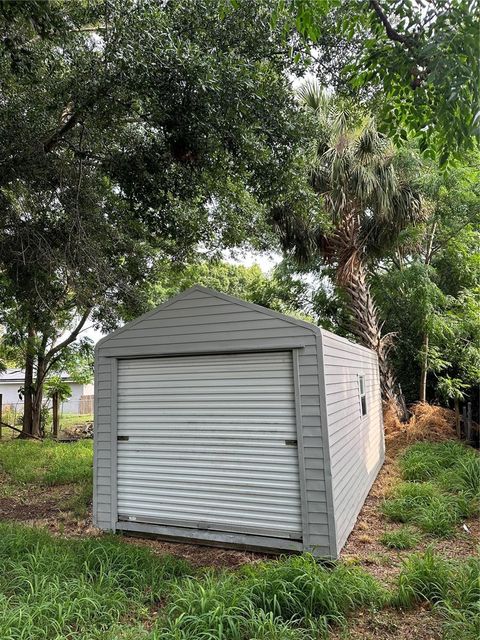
(221, 421)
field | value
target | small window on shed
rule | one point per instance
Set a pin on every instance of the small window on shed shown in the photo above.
(363, 395)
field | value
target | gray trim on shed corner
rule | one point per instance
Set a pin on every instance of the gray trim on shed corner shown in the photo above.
(332, 529)
(113, 444)
(300, 448)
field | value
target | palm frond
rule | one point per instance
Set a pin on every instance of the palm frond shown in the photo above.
(313, 96)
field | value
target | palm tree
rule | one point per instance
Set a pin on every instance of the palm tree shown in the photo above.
(367, 204)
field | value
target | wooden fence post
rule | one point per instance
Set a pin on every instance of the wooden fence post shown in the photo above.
(468, 427)
(457, 418)
(464, 419)
(55, 414)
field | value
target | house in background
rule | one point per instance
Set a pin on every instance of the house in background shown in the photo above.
(81, 400)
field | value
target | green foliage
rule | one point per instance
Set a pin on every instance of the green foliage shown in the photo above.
(55, 385)
(419, 61)
(424, 577)
(280, 290)
(428, 460)
(453, 588)
(443, 487)
(47, 463)
(428, 288)
(146, 132)
(404, 538)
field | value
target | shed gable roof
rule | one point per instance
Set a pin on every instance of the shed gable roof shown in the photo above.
(208, 293)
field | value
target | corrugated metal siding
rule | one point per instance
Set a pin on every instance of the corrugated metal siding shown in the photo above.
(207, 443)
(356, 444)
(238, 325)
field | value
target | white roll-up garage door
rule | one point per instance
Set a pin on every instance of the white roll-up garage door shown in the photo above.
(209, 442)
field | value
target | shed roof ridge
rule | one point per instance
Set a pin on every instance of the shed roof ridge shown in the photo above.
(218, 294)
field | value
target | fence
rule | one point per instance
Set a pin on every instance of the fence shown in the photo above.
(465, 424)
(12, 412)
(85, 404)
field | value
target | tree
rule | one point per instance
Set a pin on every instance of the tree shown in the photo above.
(368, 206)
(146, 130)
(419, 58)
(58, 390)
(427, 288)
(279, 290)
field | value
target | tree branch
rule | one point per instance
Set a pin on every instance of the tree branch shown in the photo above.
(71, 338)
(57, 135)
(392, 33)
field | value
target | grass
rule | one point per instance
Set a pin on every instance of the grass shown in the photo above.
(47, 463)
(402, 539)
(293, 597)
(71, 419)
(441, 487)
(51, 588)
(92, 589)
(452, 587)
(50, 463)
(105, 588)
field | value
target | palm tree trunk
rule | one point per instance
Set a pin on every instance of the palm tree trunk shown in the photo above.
(365, 324)
(352, 277)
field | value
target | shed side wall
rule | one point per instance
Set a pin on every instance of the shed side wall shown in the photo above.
(200, 322)
(356, 442)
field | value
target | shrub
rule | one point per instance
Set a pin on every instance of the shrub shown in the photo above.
(404, 538)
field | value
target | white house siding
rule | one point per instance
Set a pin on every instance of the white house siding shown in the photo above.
(9, 393)
(356, 443)
(201, 321)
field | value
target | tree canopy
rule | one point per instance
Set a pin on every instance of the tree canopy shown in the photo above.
(417, 62)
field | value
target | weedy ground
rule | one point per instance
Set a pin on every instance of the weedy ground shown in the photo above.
(408, 570)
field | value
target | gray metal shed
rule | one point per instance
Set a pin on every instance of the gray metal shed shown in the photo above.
(221, 421)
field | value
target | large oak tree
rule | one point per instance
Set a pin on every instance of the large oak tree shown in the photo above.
(131, 132)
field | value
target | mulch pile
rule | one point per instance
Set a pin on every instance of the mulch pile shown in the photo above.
(428, 422)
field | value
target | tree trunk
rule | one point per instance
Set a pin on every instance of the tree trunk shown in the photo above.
(55, 414)
(424, 370)
(352, 277)
(27, 427)
(366, 327)
(37, 399)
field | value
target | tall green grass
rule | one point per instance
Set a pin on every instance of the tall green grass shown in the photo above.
(107, 589)
(294, 597)
(453, 588)
(52, 589)
(442, 487)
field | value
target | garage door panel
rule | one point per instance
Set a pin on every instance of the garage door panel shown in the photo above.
(207, 442)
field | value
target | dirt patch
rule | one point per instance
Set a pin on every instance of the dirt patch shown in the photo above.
(421, 624)
(199, 555)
